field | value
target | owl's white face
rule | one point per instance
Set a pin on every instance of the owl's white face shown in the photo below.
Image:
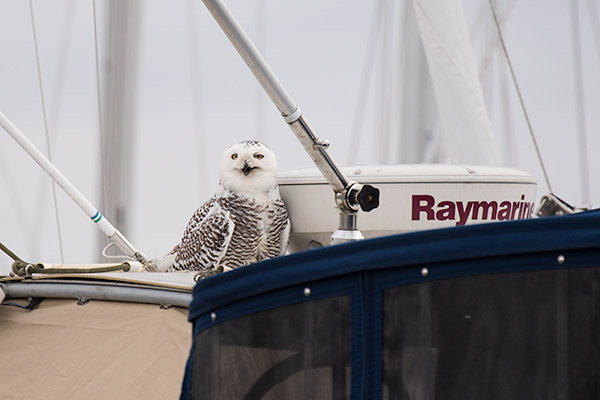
(249, 167)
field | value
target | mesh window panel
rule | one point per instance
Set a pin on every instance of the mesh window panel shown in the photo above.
(300, 351)
(530, 335)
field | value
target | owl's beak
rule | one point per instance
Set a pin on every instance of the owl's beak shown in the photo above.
(246, 169)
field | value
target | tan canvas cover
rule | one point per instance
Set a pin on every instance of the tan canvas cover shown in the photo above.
(100, 350)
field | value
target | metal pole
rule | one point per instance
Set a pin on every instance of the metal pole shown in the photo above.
(347, 192)
(87, 207)
(280, 97)
(580, 104)
(251, 56)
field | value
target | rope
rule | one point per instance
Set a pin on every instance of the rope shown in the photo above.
(514, 78)
(108, 256)
(33, 303)
(23, 268)
(39, 73)
(9, 252)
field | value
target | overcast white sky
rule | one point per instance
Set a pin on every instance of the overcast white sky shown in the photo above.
(317, 48)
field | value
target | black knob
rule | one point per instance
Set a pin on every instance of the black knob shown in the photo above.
(368, 198)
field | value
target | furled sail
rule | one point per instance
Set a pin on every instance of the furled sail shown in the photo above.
(466, 125)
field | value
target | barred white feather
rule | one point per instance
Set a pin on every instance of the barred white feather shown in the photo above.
(246, 221)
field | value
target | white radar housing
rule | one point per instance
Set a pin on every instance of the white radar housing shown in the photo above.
(412, 198)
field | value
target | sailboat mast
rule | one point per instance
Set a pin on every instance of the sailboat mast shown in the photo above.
(118, 103)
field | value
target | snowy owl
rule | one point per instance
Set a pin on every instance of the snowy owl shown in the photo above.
(244, 222)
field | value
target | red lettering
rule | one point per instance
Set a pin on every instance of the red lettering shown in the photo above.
(446, 211)
(418, 207)
(485, 207)
(504, 211)
(514, 210)
(461, 211)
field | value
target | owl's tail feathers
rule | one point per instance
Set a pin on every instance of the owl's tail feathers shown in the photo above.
(161, 264)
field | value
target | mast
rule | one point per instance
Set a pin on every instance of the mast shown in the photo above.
(579, 103)
(118, 109)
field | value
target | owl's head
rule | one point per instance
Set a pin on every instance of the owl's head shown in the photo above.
(250, 167)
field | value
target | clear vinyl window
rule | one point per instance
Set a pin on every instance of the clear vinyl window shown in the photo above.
(299, 351)
(529, 335)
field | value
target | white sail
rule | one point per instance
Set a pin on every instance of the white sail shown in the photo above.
(421, 137)
(465, 122)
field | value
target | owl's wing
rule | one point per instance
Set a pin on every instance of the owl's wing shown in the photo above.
(205, 239)
(278, 229)
(283, 224)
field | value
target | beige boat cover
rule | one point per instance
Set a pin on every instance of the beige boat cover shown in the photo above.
(100, 350)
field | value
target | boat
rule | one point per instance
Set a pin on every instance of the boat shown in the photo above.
(479, 311)
(489, 311)
(75, 335)
(455, 292)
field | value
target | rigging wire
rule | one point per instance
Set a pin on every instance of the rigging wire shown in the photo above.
(579, 102)
(100, 128)
(486, 69)
(486, 72)
(521, 101)
(363, 91)
(39, 73)
(55, 106)
(63, 56)
(490, 46)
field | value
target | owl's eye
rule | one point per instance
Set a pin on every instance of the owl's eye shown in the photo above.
(259, 156)
(234, 156)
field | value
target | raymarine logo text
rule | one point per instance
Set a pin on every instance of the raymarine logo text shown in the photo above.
(424, 206)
